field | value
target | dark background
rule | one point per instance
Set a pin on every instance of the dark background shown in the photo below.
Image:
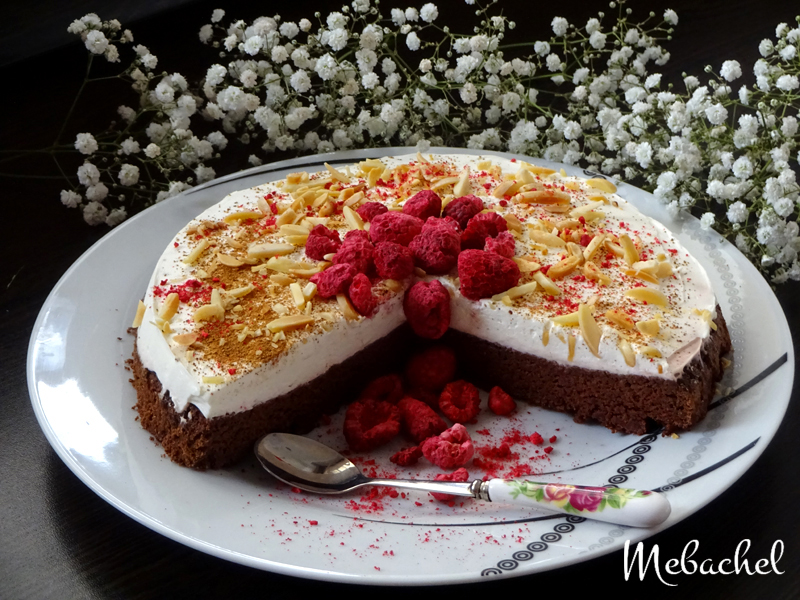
(59, 540)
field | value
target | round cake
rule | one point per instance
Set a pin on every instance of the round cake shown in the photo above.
(277, 304)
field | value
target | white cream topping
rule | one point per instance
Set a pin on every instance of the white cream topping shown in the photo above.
(519, 327)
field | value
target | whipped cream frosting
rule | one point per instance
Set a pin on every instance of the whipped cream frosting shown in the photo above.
(236, 362)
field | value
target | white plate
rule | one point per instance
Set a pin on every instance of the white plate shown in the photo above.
(82, 398)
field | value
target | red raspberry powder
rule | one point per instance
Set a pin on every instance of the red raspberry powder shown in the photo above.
(484, 274)
(407, 456)
(437, 246)
(427, 309)
(394, 227)
(423, 204)
(393, 261)
(463, 209)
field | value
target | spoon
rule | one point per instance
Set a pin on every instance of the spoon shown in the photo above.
(314, 467)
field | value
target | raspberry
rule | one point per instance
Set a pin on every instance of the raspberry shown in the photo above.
(423, 204)
(393, 261)
(484, 274)
(458, 475)
(370, 210)
(356, 234)
(501, 403)
(419, 420)
(407, 456)
(334, 280)
(356, 250)
(503, 244)
(427, 396)
(370, 423)
(431, 369)
(460, 401)
(361, 295)
(480, 227)
(387, 388)
(452, 448)
(463, 209)
(437, 246)
(394, 227)
(322, 241)
(427, 309)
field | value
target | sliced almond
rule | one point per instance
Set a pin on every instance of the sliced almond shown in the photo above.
(347, 309)
(297, 240)
(185, 339)
(514, 224)
(619, 318)
(648, 296)
(297, 294)
(352, 218)
(196, 252)
(664, 270)
(627, 352)
(293, 230)
(241, 292)
(563, 267)
(640, 275)
(463, 187)
(650, 351)
(593, 246)
(543, 197)
(546, 334)
(548, 239)
(614, 248)
(286, 217)
(137, 320)
(526, 265)
(504, 188)
(589, 329)
(393, 285)
(536, 170)
(336, 174)
(264, 207)
(297, 178)
(547, 284)
(591, 271)
(571, 346)
(216, 298)
(289, 323)
(269, 249)
(604, 185)
(228, 260)
(209, 312)
(650, 327)
(516, 292)
(170, 306)
(631, 254)
(706, 316)
(568, 320)
(281, 279)
(242, 216)
(213, 379)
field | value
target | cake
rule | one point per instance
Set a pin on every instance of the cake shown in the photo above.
(558, 290)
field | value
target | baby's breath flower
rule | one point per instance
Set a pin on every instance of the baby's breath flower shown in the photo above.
(671, 17)
(94, 213)
(96, 42)
(86, 144)
(70, 199)
(429, 12)
(731, 70)
(412, 41)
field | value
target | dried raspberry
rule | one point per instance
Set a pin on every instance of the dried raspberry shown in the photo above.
(361, 295)
(427, 396)
(369, 424)
(356, 250)
(370, 210)
(463, 209)
(388, 388)
(356, 234)
(393, 261)
(458, 475)
(484, 274)
(501, 403)
(423, 204)
(334, 280)
(394, 227)
(460, 401)
(480, 227)
(407, 456)
(452, 448)
(322, 241)
(431, 369)
(437, 246)
(536, 438)
(503, 244)
(427, 309)
(419, 420)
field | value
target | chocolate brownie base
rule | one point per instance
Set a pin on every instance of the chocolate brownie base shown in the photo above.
(192, 440)
(626, 403)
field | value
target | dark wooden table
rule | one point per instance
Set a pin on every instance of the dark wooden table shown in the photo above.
(59, 540)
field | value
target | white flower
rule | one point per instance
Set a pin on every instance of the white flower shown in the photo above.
(97, 192)
(572, 130)
(789, 126)
(788, 52)
(412, 41)
(206, 33)
(336, 20)
(152, 151)
(652, 81)
(716, 114)
(70, 199)
(560, 26)
(149, 61)
(706, 221)
(76, 27)
(85, 143)
(300, 81)
(766, 48)
(731, 70)
(592, 25)
(164, 92)
(670, 16)
(742, 167)
(644, 154)
(217, 15)
(116, 216)
(94, 213)
(429, 12)
(130, 146)
(337, 39)
(744, 95)
(469, 93)
(787, 83)
(96, 42)
(398, 17)
(412, 14)
(737, 212)
(370, 80)
(541, 48)
(305, 25)
(597, 40)
(204, 174)
(128, 174)
(553, 62)
(326, 67)
(112, 53)
(289, 29)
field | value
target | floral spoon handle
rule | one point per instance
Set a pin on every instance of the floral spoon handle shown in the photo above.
(635, 508)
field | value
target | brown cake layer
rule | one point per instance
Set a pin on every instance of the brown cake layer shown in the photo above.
(191, 440)
(626, 403)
